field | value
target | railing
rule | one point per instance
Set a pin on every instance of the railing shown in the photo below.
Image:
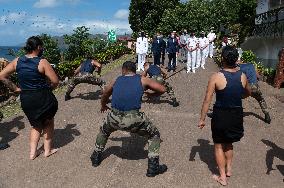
(270, 24)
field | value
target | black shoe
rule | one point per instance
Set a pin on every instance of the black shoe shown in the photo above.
(4, 146)
(96, 159)
(154, 168)
(267, 118)
(175, 103)
(67, 97)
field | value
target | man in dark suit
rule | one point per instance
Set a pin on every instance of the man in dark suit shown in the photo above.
(172, 49)
(157, 48)
(164, 46)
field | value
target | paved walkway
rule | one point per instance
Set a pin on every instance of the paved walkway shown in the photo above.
(186, 150)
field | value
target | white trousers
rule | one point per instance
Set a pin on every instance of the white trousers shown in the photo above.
(204, 55)
(198, 58)
(211, 49)
(191, 60)
(141, 62)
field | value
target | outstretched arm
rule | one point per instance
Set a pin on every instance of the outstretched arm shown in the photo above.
(6, 72)
(77, 70)
(207, 100)
(98, 65)
(105, 96)
(153, 85)
(164, 73)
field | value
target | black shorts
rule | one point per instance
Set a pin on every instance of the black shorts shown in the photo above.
(227, 125)
(39, 106)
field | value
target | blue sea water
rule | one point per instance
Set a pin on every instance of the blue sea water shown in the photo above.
(4, 51)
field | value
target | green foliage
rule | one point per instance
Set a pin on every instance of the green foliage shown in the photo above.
(66, 69)
(79, 43)
(51, 50)
(20, 53)
(146, 14)
(248, 56)
(197, 15)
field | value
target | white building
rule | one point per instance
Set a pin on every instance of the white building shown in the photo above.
(268, 36)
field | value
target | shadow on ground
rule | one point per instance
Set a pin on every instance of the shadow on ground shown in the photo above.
(206, 154)
(255, 115)
(274, 151)
(63, 137)
(6, 128)
(89, 96)
(157, 100)
(132, 148)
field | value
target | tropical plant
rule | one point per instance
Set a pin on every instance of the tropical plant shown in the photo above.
(248, 56)
(79, 43)
(51, 50)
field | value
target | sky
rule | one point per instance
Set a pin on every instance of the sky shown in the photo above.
(20, 19)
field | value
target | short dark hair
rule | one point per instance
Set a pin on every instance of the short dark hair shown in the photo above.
(32, 44)
(230, 55)
(130, 66)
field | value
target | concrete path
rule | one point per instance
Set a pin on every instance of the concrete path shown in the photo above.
(187, 151)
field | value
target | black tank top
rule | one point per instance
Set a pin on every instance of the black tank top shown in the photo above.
(29, 76)
(231, 95)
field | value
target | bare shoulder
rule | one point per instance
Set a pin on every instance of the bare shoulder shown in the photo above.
(216, 76)
(14, 62)
(44, 61)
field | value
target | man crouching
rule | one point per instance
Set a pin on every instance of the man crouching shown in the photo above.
(125, 115)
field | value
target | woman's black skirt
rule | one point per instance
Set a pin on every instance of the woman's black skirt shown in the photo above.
(227, 125)
(39, 106)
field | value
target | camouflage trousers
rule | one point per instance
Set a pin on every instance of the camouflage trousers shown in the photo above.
(168, 87)
(84, 78)
(256, 93)
(133, 122)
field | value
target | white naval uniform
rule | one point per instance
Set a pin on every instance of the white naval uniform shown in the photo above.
(198, 55)
(211, 37)
(203, 53)
(183, 50)
(191, 56)
(141, 50)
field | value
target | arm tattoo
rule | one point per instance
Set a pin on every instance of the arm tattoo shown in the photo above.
(8, 83)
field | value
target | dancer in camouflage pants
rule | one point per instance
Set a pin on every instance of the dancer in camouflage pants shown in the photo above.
(156, 73)
(84, 74)
(133, 122)
(125, 115)
(84, 78)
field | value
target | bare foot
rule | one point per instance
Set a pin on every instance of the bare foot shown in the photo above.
(220, 180)
(37, 153)
(228, 172)
(51, 152)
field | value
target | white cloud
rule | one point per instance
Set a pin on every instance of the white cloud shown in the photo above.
(53, 3)
(45, 3)
(100, 26)
(122, 14)
(12, 17)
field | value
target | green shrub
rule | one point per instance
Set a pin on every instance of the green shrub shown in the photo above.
(66, 69)
(248, 57)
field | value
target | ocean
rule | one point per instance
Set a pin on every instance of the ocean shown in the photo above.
(4, 51)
